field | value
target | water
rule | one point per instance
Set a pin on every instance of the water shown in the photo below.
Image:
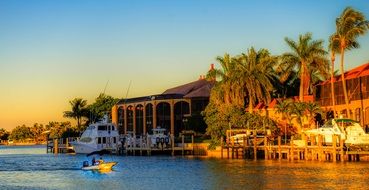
(31, 168)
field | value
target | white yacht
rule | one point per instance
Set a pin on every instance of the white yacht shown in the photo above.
(97, 136)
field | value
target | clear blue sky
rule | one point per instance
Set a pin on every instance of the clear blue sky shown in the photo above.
(54, 51)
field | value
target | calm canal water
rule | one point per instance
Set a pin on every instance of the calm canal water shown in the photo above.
(31, 168)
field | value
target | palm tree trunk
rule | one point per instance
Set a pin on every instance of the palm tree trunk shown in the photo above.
(344, 83)
(78, 123)
(250, 105)
(301, 93)
(332, 85)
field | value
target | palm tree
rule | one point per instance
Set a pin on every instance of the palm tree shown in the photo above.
(254, 76)
(297, 110)
(79, 110)
(284, 108)
(307, 56)
(349, 26)
(37, 130)
(312, 109)
(333, 47)
(228, 67)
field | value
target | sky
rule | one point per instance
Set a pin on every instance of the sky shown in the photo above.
(54, 51)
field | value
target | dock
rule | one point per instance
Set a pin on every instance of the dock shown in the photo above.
(136, 146)
(60, 145)
(307, 148)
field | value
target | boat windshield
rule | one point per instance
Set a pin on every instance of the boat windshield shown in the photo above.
(158, 131)
(328, 124)
(344, 123)
(85, 139)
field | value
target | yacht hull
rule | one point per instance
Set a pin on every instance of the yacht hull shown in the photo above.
(80, 148)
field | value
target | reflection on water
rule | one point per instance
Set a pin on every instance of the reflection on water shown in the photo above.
(36, 170)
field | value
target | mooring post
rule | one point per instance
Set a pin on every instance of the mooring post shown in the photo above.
(279, 147)
(291, 150)
(227, 146)
(342, 158)
(244, 146)
(193, 144)
(266, 153)
(320, 148)
(141, 145)
(183, 145)
(305, 139)
(232, 144)
(221, 147)
(172, 143)
(56, 148)
(255, 147)
(334, 139)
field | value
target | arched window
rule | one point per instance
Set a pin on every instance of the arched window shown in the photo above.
(149, 118)
(181, 122)
(139, 119)
(163, 115)
(130, 119)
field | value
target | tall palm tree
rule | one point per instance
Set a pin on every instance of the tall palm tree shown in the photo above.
(333, 47)
(307, 56)
(228, 67)
(79, 110)
(349, 26)
(254, 76)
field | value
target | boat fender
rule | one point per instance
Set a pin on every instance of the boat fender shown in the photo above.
(162, 140)
(166, 140)
(157, 140)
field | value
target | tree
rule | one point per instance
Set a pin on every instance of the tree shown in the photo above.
(58, 129)
(4, 134)
(37, 130)
(103, 104)
(307, 56)
(254, 76)
(21, 133)
(79, 110)
(225, 92)
(313, 109)
(333, 47)
(284, 108)
(349, 26)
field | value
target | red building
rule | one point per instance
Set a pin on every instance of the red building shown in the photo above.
(357, 82)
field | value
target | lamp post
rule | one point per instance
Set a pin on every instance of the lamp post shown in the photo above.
(148, 123)
(184, 120)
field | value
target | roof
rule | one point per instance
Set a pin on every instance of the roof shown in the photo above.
(360, 71)
(199, 88)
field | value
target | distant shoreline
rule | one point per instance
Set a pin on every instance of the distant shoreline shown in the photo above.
(23, 144)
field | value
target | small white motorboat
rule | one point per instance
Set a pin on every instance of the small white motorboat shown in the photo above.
(99, 166)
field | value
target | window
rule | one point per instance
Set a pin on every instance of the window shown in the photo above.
(104, 140)
(99, 140)
(102, 128)
(114, 140)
